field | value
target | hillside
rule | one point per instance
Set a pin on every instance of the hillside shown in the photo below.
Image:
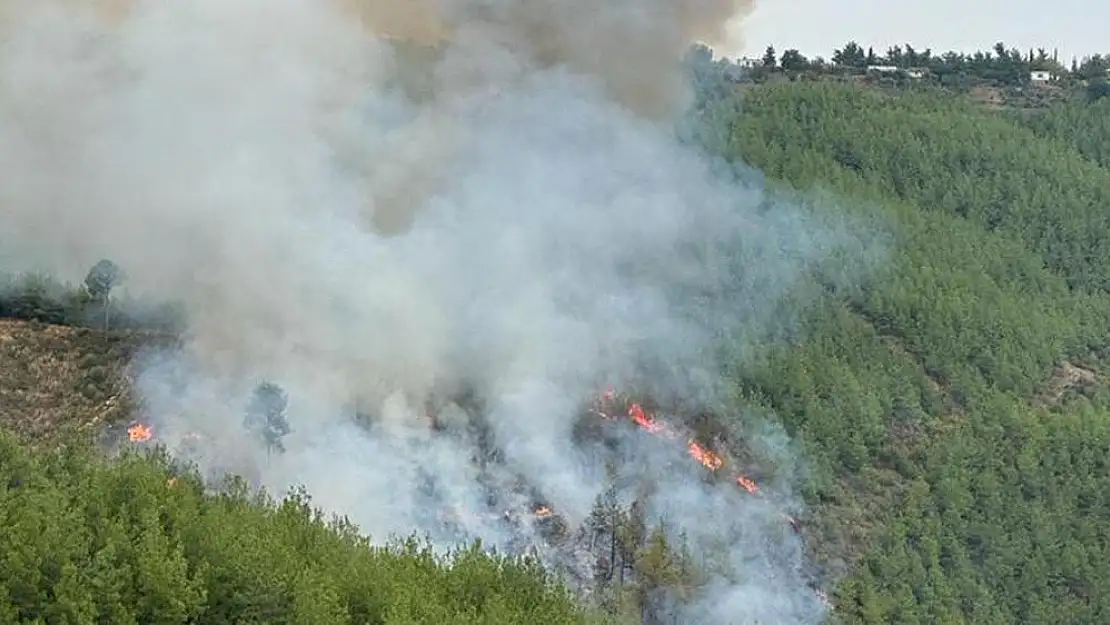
(953, 409)
(87, 541)
(956, 403)
(54, 376)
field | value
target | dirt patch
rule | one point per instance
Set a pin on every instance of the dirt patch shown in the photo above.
(1067, 380)
(990, 97)
(55, 378)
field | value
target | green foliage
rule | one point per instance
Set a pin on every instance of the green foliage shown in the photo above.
(638, 567)
(954, 465)
(1097, 90)
(1082, 126)
(88, 541)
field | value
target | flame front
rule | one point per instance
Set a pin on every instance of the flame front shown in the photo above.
(748, 484)
(707, 458)
(704, 456)
(642, 419)
(140, 433)
(543, 512)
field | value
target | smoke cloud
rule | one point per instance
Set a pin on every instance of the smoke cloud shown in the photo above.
(435, 196)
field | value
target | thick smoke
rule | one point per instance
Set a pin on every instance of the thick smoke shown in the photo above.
(494, 202)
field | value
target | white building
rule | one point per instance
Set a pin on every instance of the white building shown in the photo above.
(913, 72)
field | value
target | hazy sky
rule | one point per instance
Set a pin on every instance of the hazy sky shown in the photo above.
(817, 27)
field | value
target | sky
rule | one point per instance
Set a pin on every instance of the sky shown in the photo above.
(817, 27)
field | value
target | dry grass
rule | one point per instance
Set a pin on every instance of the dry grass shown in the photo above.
(60, 378)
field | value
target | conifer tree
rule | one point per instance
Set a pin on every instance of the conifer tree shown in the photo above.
(265, 416)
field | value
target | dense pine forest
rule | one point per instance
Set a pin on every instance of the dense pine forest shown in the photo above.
(952, 408)
(956, 402)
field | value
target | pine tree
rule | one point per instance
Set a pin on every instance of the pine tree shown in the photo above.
(265, 416)
(99, 282)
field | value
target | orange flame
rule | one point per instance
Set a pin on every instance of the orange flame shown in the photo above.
(707, 458)
(748, 485)
(543, 512)
(140, 433)
(642, 419)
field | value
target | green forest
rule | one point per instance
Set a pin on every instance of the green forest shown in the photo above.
(133, 541)
(952, 407)
(956, 402)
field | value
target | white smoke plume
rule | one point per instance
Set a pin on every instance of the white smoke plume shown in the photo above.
(494, 202)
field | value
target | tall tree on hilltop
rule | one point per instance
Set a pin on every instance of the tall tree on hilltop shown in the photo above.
(852, 55)
(793, 61)
(99, 282)
(895, 56)
(770, 60)
(913, 59)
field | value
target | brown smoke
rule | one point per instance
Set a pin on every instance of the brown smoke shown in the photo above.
(632, 47)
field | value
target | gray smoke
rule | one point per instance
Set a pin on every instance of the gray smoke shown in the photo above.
(369, 222)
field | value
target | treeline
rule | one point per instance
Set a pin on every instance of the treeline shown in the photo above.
(999, 66)
(43, 298)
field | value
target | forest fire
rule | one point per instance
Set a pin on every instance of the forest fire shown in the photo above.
(543, 519)
(747, 484)
(698, 452)
(707, 458)
(140, 433)
(642, 419)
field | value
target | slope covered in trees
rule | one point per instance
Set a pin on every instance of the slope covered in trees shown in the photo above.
(951, 407)
(1083, 126)
(87, 541)
(953, 404)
